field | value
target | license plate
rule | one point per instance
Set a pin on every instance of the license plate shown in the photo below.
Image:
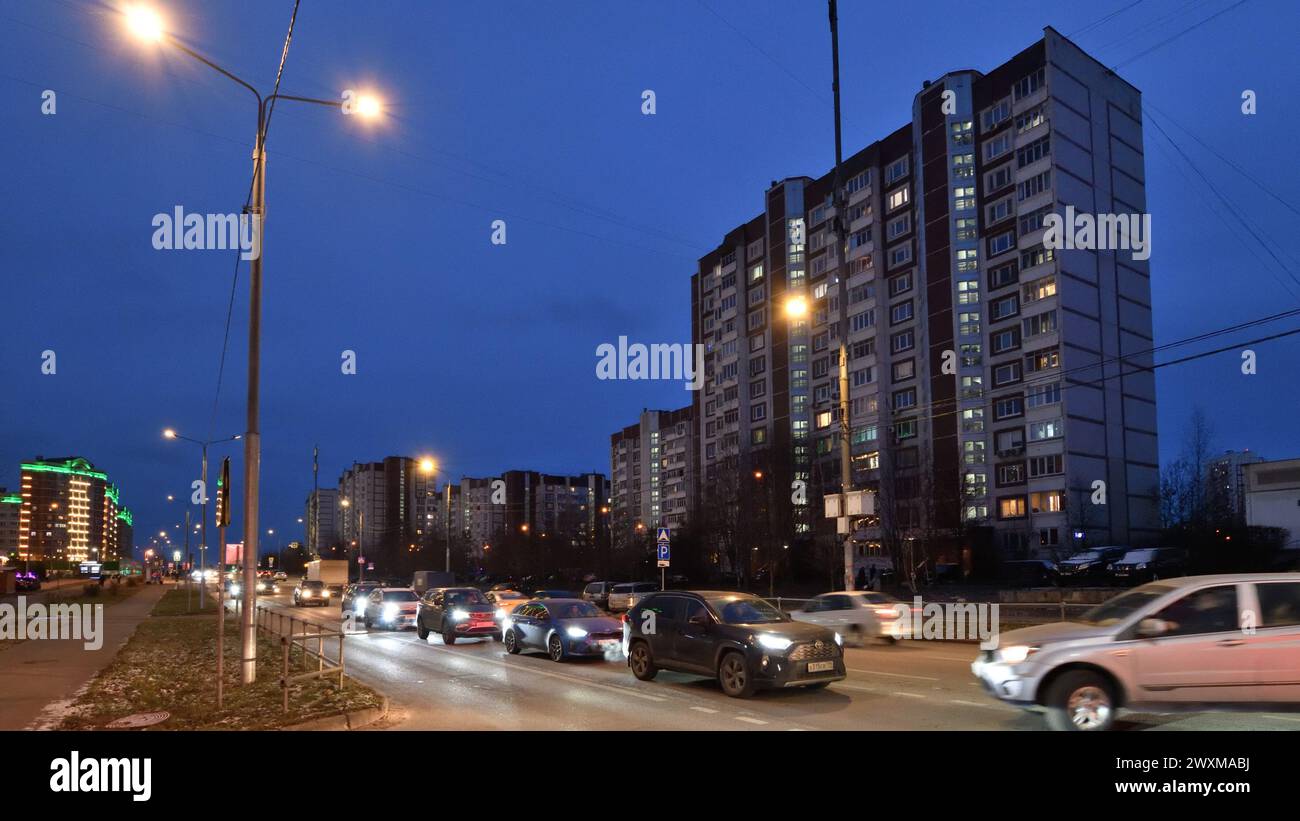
(820, 666)
(608, 642)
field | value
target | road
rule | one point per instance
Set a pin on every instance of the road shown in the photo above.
(476, 685)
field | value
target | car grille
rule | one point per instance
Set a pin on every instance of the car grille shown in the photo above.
(614, 634)
(812, 651)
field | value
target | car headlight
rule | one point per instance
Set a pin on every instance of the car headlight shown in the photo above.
(325, 594)
(576, 632)
(839, 639)
(1142, 566)
(771, 642)
(459, 615)
(306, 594)
(390, 611)
(501, 613)
(234, 590)
(1016, 653)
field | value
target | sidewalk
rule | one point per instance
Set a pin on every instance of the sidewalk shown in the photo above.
(37, 677)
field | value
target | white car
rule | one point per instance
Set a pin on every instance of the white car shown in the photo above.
(625, 596)
(391, 607)
(859, 615)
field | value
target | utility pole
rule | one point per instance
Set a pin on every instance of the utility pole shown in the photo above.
(839, 241)
(446, 493)
(203, 535)
(253, 435)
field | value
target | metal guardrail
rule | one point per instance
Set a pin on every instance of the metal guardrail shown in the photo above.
(293, 633)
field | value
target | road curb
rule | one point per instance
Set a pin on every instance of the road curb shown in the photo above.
(353, 720)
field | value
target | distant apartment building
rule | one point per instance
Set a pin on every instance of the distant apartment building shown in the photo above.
(11, 505)
(70, 511)
(322, 516)
(569, 508)
(652, 474)
(994, 381)
(1272, 496)
(1225, 484)
(383, 509)
(482, 522)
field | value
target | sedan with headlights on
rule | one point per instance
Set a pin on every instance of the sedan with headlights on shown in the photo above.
(267, 586)
(859, 615)
(391, 607)
(563, 628)
(310, 593)
(456, 613)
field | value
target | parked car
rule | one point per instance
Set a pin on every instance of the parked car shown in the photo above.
(1194, 643)
(309, 592)
(625, 596)
(1090, 566)
(554, 594)
(1030, 573)
(1148, 565)
(391, 607)
(356, 596)
(456, 612)
(597, 593)
(742, 640)
(563, 628)
(859, 615)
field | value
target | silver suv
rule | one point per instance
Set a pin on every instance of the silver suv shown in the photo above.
(1199, 642)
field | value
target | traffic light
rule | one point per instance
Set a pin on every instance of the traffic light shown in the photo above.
(223, 494)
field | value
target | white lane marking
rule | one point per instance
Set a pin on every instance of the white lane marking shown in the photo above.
(704, 710)
(620, 690)
(749, 720)
(1284, 718)
(894, 675)
(908, 695)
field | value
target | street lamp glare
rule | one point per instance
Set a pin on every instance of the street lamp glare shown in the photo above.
(144, 23)
(369, 106)
(428, 466)
(796, 307)
(168, 433)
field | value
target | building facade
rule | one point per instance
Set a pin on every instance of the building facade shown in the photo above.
(653, 474)
(383, 510)
(70, 511)
(1272, 496)
(1225, 484)
(321, 519)
(11, 505)
(996, 380)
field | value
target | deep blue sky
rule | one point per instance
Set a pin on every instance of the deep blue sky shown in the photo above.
(378, 238)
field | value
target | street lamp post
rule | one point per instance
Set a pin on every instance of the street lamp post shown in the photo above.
(147, 25)
(170, 433)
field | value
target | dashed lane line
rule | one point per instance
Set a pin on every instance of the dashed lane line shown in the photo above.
(893, 675)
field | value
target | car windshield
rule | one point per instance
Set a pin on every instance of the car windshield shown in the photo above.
(1085, 556)
(1139, 556)
(400, 595)
(746, 610)
(575, 610)
(313, 585)
(1123, 606)
(461, 597)
(510, 594)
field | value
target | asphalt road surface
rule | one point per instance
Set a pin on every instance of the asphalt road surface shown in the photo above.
(476, 685)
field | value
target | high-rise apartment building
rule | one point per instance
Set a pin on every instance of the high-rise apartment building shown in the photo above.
(11, 505)
(652, 471)
(321, 520)
(995, 380)
(70, 511)
(1225, 484)
(383, 509)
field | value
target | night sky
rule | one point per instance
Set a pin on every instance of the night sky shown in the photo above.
(378, 236)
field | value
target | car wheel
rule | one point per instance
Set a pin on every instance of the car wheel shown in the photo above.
(421, 631)
(1081, 700)
(642, 663)
(733, 675)
(512, 643)
(496, 636)
(366, 622)
(448, 636)
(555, 647)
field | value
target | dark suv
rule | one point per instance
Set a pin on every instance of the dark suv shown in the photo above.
(1089, 566)
(742, 640)
(1148, 565)
(456, 612)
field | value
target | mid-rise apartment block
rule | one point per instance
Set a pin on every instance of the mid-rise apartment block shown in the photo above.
(384, 509)
(652, 470)
(321, 519)
(996, 380)
(70, 511)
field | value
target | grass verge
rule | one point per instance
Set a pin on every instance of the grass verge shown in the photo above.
(170, 664)
(74, 594)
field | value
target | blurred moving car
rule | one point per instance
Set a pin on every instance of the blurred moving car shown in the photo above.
(27, 582)
(859, 615)
(391, 607)
(504, 601)
(597, 593)
(742, 640)
(563, 628)
(281, 576)
(1195, 643)
(1148, 565)
(266, 585)
(310, 592)
(356, 596)
(554, 594)
(625, 596)
(456, 612)
(1090, 566)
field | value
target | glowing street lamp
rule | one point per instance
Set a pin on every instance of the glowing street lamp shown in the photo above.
(144, 23)
(796, 307)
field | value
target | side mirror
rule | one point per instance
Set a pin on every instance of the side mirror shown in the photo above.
(1151, 628)
(701, 620)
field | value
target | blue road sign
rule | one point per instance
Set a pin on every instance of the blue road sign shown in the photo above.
(663, 535)
(665, 553)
